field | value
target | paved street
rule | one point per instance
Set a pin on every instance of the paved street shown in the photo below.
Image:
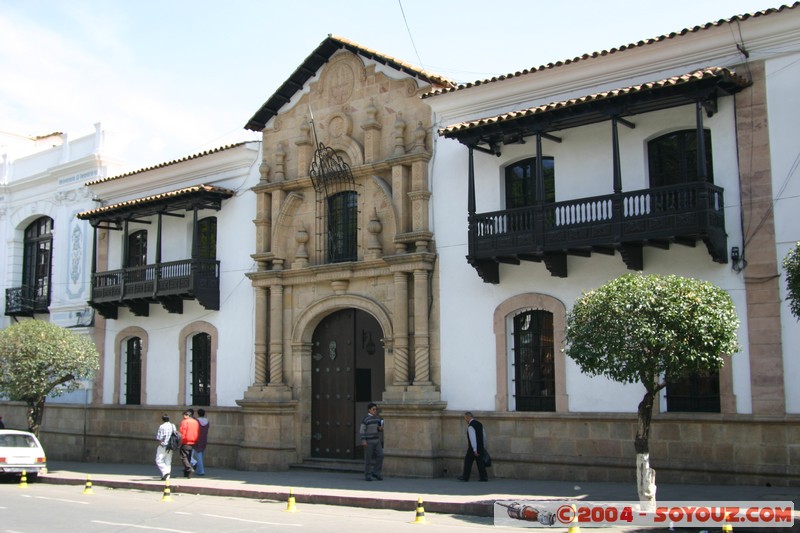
(446, 501)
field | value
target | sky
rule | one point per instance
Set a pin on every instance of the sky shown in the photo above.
(171, 78)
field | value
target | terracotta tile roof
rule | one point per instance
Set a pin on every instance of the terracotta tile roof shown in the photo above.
(584, 57)
(319, 57)
(168, 163)
(170, 196)
(675, 81)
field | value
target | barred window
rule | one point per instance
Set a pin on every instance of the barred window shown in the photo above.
(133, 371)
(534, 365)
(201, 369)
(342, 227)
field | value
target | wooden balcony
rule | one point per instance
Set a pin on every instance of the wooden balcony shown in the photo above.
(168, 284)
(27, 301)
(624, 222)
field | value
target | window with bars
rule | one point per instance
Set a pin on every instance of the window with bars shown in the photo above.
(342, 227)
(698, 393)
(534, 363)
(37, 264)
(201, 369)
(133, 371)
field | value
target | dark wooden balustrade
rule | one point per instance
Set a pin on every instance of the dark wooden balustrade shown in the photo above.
(623, 222)
(167, 283)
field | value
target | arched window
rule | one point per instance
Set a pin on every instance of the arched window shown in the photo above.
(342, 227)
(200, 366)
(673, 158)
(534, 363)
(37, 264)
(137, 249)
(207, 238)
(531, 366)
(521, 182)
(133, 371)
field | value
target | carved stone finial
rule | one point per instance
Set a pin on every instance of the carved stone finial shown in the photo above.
(372, 113)
(374, 227)
(280, 159)
(264, 169)
(305, 133)
(399, 135)
(419, 138)
(301, 237)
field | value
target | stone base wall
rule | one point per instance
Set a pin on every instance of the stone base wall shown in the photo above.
(426, 441)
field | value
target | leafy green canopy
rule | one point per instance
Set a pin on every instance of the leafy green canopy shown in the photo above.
(639, 328)
(791, 263)
(39, 358)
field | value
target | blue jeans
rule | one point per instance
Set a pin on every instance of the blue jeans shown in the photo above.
(199, 467)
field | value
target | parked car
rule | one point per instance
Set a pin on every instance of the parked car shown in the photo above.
(21, 451)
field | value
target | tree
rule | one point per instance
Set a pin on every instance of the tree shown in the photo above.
(39, 359)
(791, 263)
(651, 329)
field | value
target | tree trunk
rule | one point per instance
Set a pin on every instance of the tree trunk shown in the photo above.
(645, 476)
(35, 413)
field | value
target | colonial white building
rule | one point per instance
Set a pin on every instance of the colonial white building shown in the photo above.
(673, 155)
(45, 266)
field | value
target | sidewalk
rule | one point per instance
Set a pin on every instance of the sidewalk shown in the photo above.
(439, 495)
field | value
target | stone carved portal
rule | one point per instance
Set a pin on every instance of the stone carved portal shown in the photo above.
(347, 372)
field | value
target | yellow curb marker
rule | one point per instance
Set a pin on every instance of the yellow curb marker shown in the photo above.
(167, 495)
(420, 517)
(23, 480)
(291, 506)
(87, 489)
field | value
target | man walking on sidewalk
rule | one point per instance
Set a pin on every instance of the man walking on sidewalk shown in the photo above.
(163, 453)
(371, 429)
(476, 440)
(190, 430)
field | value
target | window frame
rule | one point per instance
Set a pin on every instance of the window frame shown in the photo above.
(37, 263)
(527, 181)
(342, 226)
(684, 158)
(532, 370)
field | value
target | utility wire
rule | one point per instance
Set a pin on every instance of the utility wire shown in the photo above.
(419, 59)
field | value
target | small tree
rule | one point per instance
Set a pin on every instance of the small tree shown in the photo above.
(651, 329)
(791, 263)
(38, 359)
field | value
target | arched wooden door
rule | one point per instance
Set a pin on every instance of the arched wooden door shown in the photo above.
(347, 372)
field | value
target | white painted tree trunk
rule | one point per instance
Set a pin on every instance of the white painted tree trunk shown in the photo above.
(645, 481)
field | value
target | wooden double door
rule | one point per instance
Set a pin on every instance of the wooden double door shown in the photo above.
(347, 372)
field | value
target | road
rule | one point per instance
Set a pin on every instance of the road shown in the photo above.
(64, 508)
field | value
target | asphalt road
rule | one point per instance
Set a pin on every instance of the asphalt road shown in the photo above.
(58, 508)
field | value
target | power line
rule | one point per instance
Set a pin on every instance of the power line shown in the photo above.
(419, 59)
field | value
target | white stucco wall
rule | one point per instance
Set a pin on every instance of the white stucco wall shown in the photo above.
(784, 116)
(234, 320)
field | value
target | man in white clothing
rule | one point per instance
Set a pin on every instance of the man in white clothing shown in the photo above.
(163, 454)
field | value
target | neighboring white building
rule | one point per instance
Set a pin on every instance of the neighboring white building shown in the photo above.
(44, 267)
(169, 279)
(610, 125)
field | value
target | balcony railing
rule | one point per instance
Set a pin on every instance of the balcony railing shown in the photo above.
(625, 222)
(27, 300)
(165, 283)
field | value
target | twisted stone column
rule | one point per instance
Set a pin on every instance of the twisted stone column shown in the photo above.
(422, 356)
(261, 336)
(276, 335)
(400, 329)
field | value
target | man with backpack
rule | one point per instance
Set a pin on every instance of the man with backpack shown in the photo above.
(163, 452)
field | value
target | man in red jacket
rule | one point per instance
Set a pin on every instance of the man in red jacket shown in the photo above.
(190, 430)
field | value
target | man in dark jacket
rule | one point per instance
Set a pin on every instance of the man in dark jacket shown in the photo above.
(476, 440)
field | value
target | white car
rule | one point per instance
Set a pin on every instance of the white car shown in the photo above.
(21, 451)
